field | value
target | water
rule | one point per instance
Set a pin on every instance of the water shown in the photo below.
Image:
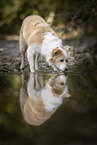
(49, 109)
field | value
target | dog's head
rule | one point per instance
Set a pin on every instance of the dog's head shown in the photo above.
(58, 85)
(59, 58)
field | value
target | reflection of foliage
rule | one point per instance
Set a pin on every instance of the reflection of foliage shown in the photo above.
(79, 112)
(11, 120)
(82, 86)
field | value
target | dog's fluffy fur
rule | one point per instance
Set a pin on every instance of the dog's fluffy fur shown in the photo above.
(39, 100)
(38, 37)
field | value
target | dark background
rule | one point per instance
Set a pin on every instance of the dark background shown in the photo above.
(71, 13)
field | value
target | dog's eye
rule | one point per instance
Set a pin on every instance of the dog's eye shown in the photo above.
(62, 83)
(66, 60)
(61, 60)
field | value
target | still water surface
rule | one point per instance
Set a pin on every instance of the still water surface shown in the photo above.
(49, 109)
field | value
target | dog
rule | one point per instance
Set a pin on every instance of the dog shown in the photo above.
(41, 96)
(37, 37)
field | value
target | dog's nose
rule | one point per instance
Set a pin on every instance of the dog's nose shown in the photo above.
(66, 68)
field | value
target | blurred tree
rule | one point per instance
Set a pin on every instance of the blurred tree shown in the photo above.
(12, 12)
(82, 13)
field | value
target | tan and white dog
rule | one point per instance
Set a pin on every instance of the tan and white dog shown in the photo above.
(37, 37)
(40, 96)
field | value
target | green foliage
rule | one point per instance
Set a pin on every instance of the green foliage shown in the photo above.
(83, 16)
(12, 12)
(82, 13)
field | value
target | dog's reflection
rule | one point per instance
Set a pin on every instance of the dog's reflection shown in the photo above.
(42, 96)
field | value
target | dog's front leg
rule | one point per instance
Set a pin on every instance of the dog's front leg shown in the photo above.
(22, 61)
(30, 56)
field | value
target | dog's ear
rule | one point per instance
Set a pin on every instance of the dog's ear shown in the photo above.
(56, 51)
